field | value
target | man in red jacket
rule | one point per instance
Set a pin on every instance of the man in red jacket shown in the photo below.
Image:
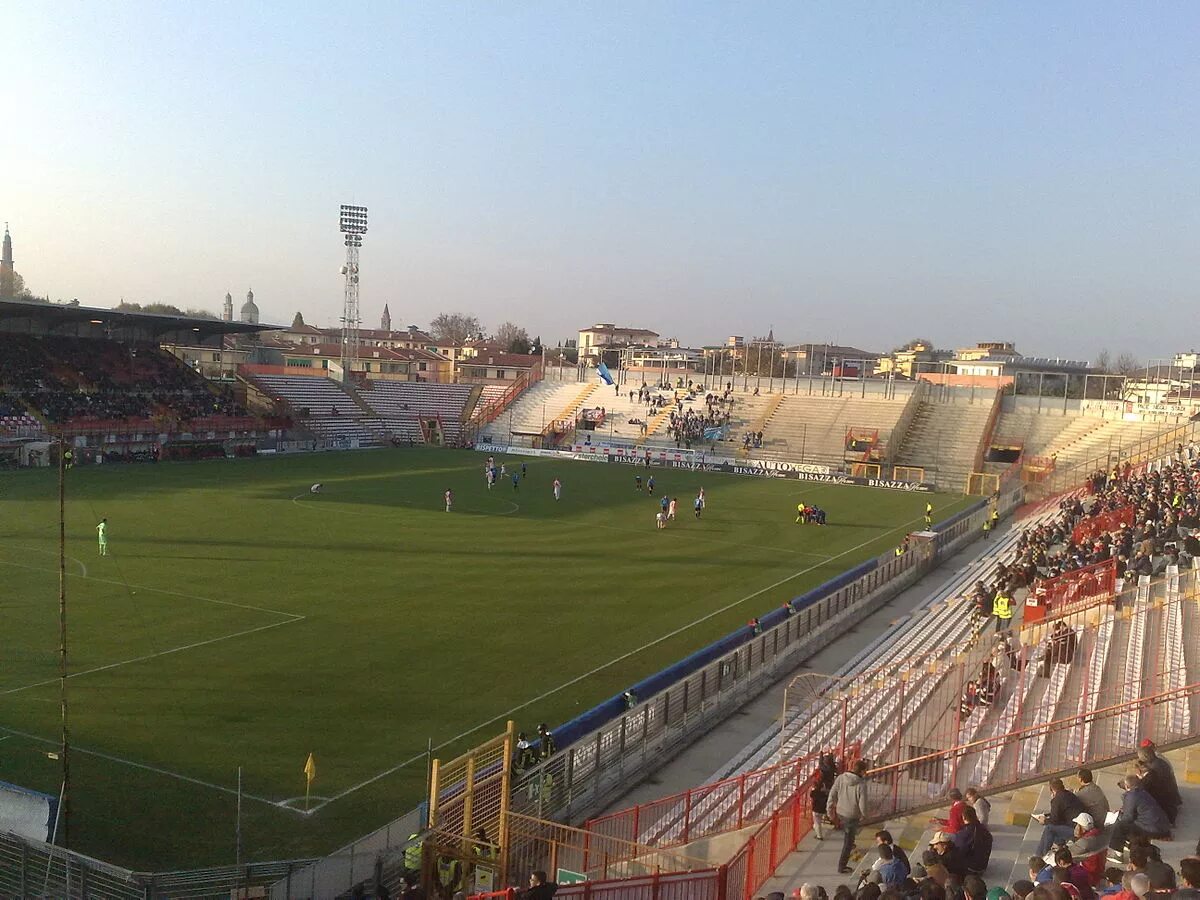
(954, 821)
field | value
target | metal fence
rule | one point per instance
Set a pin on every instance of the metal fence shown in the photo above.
(599, 767)
(31, 868)
(1125, 673)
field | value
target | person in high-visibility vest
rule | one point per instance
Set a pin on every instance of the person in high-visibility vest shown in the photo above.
(928, 515)
(412, 854)
(1002, 609)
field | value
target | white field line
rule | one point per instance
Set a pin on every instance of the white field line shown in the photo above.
(75, 748)
(613, 662)
(149, 656)
(143, 587)
(78, 562)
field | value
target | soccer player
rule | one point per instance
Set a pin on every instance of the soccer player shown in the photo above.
(557, 489)
(665, 505)
(671, 507)
(701, 498)
(315, 489)
(699, 505)
(660, 519)
(488, 473)
(637, 482)
(102, 536)
(522, 470)
(449, 496)
(650, 485)
(503, 470)
(516, 481)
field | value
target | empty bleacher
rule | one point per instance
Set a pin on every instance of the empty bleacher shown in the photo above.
(943, 439)
(324, 407)
(813, 429)
(401, 405)
(1072, 439)
(530, 414)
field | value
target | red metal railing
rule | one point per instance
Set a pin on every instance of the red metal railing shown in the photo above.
(723, 806)
(1109, 521)
(1071, 592)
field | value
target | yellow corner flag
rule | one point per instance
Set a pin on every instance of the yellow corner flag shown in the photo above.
(310, 772)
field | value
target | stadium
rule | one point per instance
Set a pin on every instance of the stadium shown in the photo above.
(291, 641)
(599, 451)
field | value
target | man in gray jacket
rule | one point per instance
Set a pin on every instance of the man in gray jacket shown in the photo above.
(1091, 795)
(848, 807)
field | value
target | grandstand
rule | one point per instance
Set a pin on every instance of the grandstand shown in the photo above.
(813, 429)
(945, 437)
(323, 406)
(419, 412)
(1072, 440)
(536, 409)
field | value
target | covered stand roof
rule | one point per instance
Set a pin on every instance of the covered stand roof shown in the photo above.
(89, 321)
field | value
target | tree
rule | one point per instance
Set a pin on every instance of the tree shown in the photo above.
(913, 344)
(454, 328)
(1127, 364)
(12, 287)
(513, 338)
(536, 346)
(1103, 361)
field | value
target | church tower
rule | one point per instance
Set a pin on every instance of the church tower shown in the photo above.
(386, 322)
(227, 309)
(6, 267)
(250, 309)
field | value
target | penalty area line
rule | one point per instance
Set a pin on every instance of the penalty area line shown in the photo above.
(149, 656)
(624, 656)
(12, 732)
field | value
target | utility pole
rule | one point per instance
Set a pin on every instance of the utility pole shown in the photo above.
(64, 749)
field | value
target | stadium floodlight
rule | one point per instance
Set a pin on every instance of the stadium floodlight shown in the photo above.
(352, 222)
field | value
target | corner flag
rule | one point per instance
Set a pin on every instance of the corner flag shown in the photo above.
(605, 375)
(310, 772)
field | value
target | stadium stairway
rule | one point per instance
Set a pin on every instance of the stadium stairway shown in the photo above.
(527, 417)
(400, 406)
(324, 407)
(813, 429)
(943, 440)
(1071, 439)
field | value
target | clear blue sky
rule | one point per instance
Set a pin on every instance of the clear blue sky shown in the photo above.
(865, 172)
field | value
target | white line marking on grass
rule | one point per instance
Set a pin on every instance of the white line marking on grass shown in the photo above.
(144, 587)
(78, 562)
(148, 656)
(613, 662)
(76, 748)
(470, 510)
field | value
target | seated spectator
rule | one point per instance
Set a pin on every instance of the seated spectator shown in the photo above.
(935, 870)
(974, 888)
(1066, 870)
(1091, 795)
(954, 819)
(979, 803)
(1160, 781)
(1057, 825)
(974, 841)
(948, 855)
(1039, 871)
(883, 838)
(1021, 889)
(1089, 847)
(1140, 816)
(891, 872)
(1110, 884)
(1144, 858)
(1189, 874)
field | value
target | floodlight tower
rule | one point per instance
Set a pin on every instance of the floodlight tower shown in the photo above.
(352, 222)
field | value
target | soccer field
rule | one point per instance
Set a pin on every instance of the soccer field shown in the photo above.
(241, 621)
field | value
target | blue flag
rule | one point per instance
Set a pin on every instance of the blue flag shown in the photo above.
(605, 375)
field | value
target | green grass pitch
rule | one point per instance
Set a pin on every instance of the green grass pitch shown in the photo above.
(241, 621)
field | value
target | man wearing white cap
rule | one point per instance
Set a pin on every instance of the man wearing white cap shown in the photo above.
(1088, 846)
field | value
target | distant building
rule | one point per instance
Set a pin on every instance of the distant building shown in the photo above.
(7, 272)
(1189, 359)
(385, 321)
(606, 336)
(227, 308)
(249, 312)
